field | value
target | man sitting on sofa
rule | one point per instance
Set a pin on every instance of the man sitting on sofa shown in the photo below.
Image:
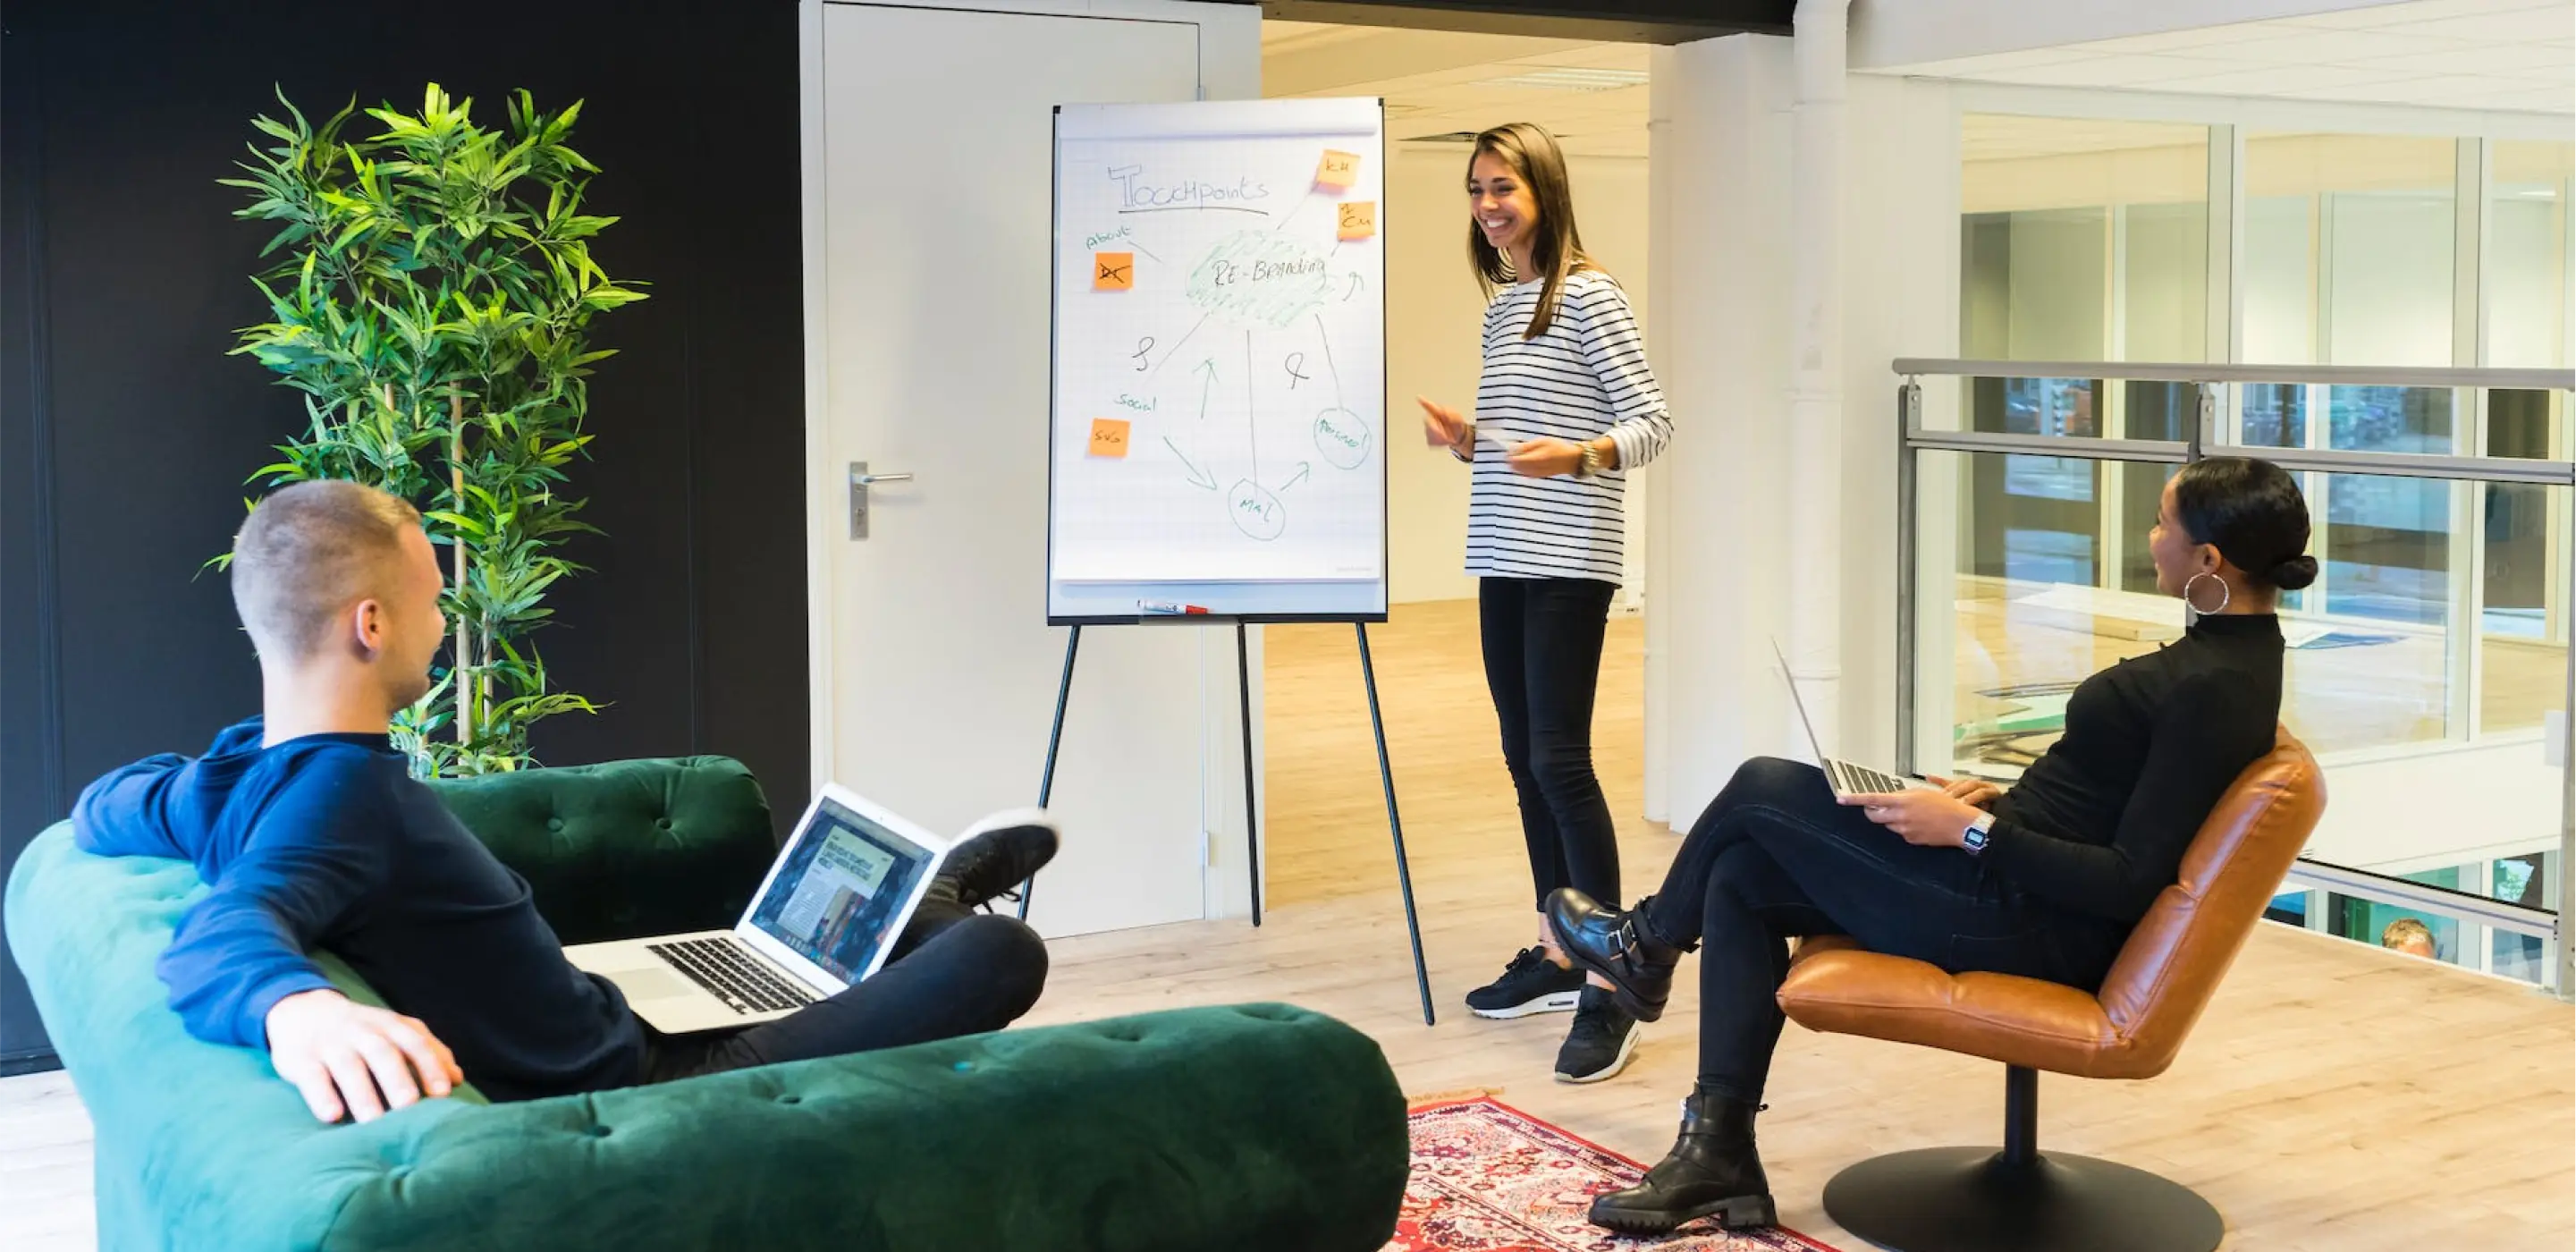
(312, 834)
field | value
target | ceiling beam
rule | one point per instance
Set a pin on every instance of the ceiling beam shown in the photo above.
(1591, 21)
(1376, 56)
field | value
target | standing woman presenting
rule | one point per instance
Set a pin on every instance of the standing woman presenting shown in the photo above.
(1565, 407)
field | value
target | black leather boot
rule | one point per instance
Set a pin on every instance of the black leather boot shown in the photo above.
(1712, 1170)
(1618, 947)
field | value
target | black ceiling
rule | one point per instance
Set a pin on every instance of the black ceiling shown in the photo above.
(1624, 21)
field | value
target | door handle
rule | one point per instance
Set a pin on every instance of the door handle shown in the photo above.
(860, 481)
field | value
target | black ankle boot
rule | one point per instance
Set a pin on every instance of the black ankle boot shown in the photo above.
(1712, 1170)
(1616, 946)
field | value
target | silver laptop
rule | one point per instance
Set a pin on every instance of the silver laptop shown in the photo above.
(828, 915)
(1844, 777)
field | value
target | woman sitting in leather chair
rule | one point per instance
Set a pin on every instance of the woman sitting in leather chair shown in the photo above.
(2044, 880)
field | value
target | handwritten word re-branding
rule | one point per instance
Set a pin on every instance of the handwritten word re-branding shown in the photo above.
(1227, 273)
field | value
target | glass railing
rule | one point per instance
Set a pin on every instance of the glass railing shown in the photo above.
(2428, 665)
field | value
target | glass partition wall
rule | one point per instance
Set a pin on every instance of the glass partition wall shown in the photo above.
(2389, 317)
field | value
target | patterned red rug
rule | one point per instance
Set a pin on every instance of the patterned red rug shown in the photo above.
(1490, 1178)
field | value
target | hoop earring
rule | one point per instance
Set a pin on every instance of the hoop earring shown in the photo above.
(2223, 594)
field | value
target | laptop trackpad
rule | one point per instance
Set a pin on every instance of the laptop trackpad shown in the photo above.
(653, 983)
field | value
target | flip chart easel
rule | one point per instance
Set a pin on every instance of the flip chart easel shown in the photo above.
(1218, 317)
(1251, 811)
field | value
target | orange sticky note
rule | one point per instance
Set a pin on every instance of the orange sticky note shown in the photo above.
(1113, 271)
(1359, 219)
(1108, 437)
(1337, 169)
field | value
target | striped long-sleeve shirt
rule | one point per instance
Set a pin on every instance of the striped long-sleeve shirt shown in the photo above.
(1586, 377)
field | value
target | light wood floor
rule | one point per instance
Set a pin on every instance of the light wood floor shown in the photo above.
(2335, 1097)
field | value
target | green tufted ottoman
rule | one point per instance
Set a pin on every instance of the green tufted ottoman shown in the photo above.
(1255, 1127)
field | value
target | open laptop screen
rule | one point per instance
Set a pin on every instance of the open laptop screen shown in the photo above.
(841, 887)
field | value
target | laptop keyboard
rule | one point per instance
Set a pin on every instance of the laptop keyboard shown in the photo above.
(1862, 779)
(732, 975)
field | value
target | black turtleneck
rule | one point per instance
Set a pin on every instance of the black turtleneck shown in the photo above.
(2099, 823)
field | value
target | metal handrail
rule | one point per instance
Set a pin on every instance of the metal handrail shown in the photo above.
(2212, 372)
(2476, 469)
(2072, 447)
(2404, 893)
(1913, 438)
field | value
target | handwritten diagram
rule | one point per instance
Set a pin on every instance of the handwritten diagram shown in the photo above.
(1219, 359)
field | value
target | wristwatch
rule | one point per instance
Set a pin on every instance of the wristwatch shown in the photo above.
(1593, 462)
(1974, 838)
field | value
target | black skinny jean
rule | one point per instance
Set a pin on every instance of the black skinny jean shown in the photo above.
(954, 972)
(1542, 640)
(1774, 856)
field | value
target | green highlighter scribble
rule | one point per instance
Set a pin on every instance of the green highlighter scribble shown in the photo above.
(1259, 278)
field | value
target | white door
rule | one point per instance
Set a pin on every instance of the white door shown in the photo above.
(935, 668)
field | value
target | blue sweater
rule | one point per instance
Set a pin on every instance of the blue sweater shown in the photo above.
(326, 841)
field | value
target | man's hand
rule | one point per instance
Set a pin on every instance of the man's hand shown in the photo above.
(1932, 819)
(1976, 792)
(342, 1055)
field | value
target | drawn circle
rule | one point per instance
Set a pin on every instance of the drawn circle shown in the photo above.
(1342, 438)
(1255, 510)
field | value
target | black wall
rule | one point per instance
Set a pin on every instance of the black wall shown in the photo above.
(125, 430)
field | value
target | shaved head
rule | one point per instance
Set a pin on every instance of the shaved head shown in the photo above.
(309, 552)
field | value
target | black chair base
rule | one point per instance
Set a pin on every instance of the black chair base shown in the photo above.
(1973, 1200)
(2016, 1199)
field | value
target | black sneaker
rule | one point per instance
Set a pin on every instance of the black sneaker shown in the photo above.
(1530, 984)
(998, 854)
(1603, 1038)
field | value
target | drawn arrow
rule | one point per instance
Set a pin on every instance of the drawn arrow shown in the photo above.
(1198, 477)
(1251, 417)
(1356, 284)
(1210, 367)
(1303, 469)
(1327, 341)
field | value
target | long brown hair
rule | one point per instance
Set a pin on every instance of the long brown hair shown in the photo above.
(1532, 156)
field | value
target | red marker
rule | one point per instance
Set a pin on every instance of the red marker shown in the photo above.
(1166, 606)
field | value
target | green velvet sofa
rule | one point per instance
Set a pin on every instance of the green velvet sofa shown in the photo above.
(1242, 1128)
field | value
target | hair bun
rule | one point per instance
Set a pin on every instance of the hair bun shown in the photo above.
(2292, 574)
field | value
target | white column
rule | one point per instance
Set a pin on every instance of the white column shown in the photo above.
(1730, 528)
(1814, 643)
(1720, 171)
(1900, 285)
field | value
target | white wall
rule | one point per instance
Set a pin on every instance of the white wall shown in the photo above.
(1909, 32)
(2389, 263)
(1434, 312)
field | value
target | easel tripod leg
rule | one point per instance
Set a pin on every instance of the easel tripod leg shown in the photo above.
(1055, 736)
(1395, 826)
(1251, 817)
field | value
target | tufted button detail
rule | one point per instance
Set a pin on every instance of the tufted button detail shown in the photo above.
(554, 823)
(597, 1132)
(791, 1099)
(664, 823)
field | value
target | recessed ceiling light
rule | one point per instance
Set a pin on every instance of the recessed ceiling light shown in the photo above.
(1454, 136)
(1570, 78)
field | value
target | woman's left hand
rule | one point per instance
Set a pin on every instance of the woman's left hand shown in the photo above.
(1545, 458)
(1928, 819)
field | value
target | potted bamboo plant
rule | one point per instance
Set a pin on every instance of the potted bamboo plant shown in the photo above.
(431, 298)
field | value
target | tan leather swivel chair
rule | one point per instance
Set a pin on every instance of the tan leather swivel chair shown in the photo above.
(1984, 1200)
